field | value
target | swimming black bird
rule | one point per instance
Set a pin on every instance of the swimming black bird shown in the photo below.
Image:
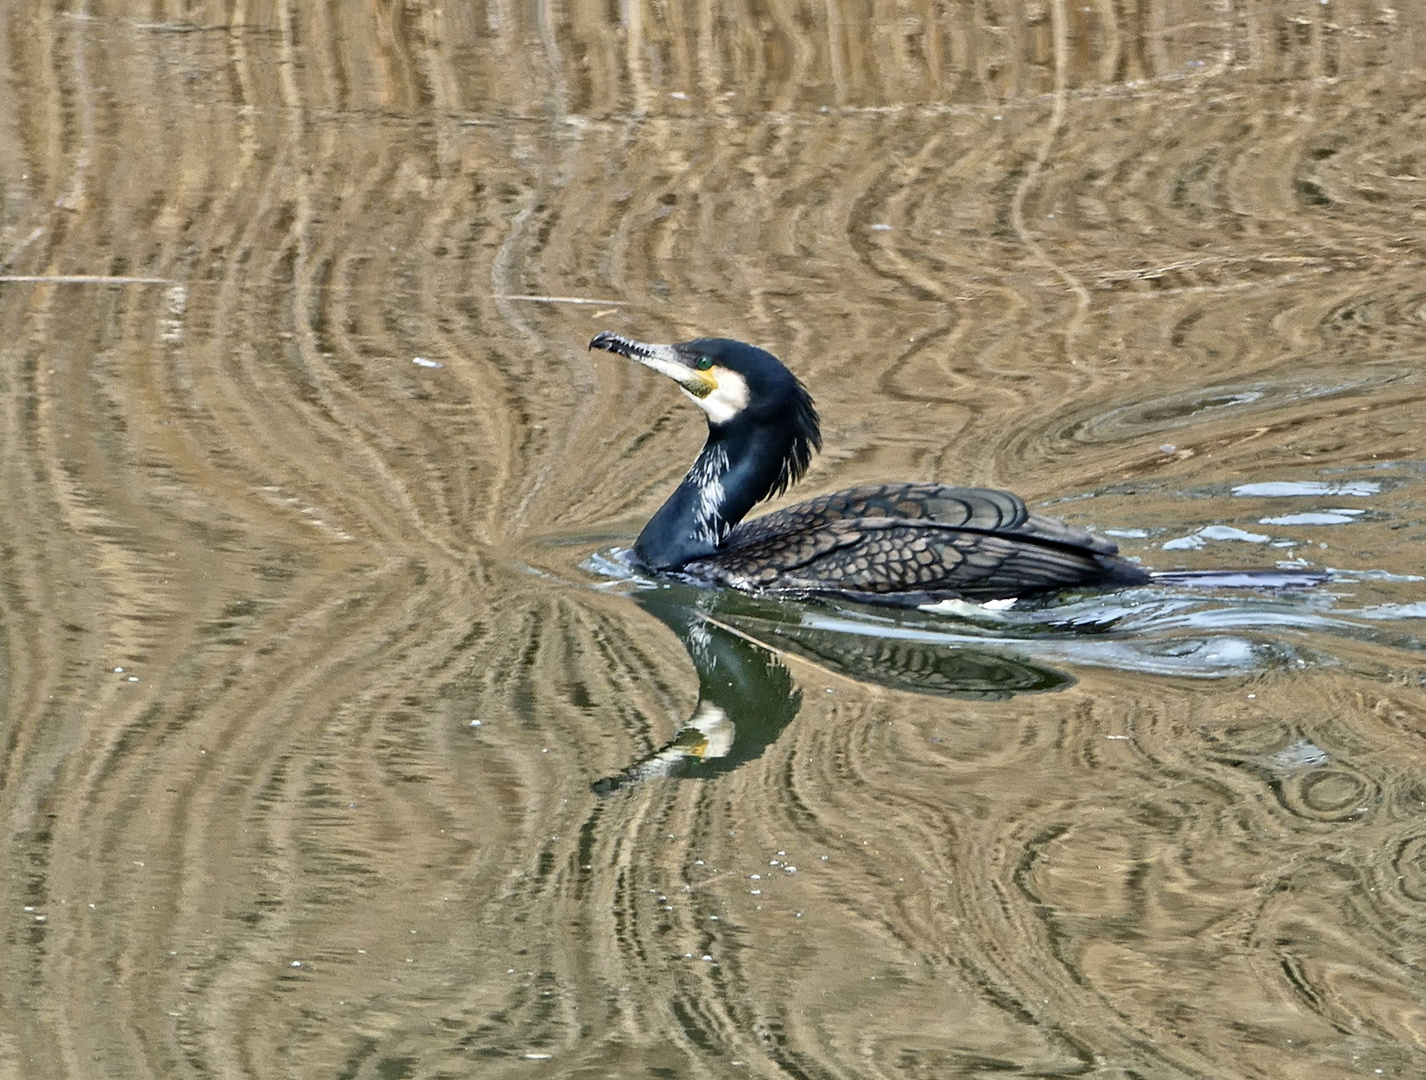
(891, 543)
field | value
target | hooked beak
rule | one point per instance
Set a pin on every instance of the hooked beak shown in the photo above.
(665, 359)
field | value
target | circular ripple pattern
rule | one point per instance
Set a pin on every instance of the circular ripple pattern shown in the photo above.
(1330, 794)
(1194, 408)
(1410, 867)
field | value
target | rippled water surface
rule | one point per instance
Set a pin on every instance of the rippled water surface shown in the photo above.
(337, 740)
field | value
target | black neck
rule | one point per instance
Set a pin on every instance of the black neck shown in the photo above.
(739, 466)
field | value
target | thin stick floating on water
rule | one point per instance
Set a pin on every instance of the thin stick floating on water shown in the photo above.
(566, 300)
(87, 279)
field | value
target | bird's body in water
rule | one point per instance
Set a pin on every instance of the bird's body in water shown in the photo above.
(903, 543)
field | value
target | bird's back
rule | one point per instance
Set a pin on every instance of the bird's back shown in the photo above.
(910, 542)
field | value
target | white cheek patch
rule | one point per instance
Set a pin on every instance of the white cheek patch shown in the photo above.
(728, 400)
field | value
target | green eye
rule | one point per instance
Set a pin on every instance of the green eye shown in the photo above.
(704, 363)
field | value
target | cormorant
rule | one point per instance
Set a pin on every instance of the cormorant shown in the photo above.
(890, 543)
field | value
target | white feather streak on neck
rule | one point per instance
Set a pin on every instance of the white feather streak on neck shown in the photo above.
(707, 478)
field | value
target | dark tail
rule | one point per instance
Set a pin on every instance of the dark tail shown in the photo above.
(1241, 579)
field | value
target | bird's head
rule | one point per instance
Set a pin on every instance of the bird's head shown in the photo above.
(740, 387)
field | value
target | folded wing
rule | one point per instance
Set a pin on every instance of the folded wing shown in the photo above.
(975, 543)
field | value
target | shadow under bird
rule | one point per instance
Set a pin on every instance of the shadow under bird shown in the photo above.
(900, 543)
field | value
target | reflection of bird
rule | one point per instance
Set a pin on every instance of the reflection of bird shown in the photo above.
(897, 543)
(746, 696)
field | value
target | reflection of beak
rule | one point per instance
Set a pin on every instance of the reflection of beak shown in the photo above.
(709, 734)
(665, 359)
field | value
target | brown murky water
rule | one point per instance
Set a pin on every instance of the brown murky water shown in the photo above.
(308, 677)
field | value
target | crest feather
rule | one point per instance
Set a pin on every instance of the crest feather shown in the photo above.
(806, 440)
